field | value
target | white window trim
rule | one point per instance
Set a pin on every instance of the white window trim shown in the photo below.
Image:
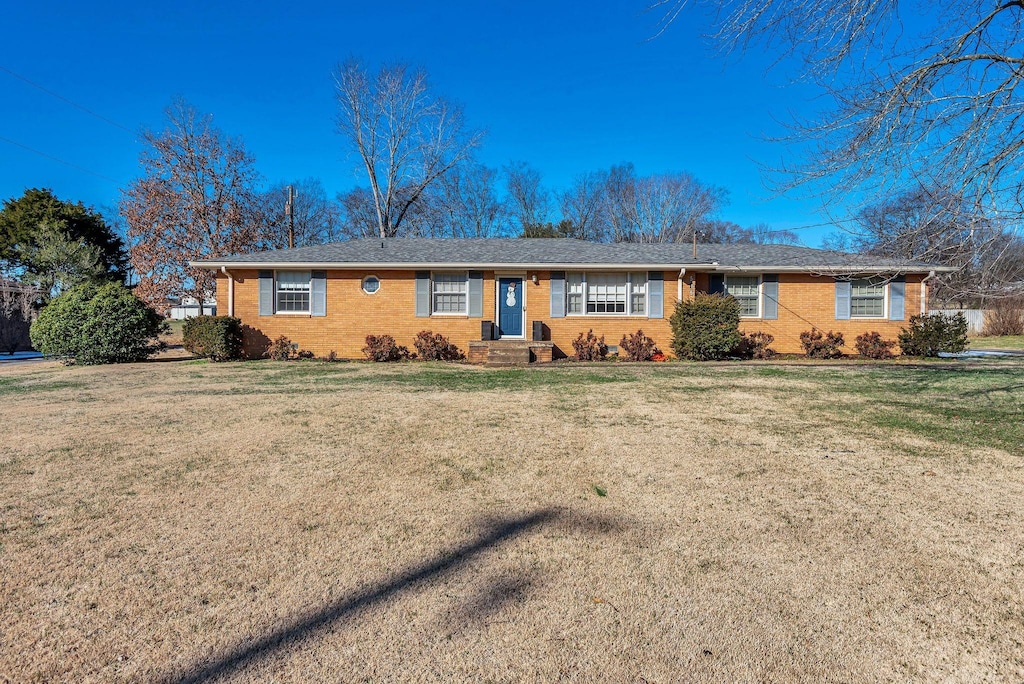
(309, 311)
(885, 303)
(362, 284)
(448, 314)
(760, 294)
(628, 313)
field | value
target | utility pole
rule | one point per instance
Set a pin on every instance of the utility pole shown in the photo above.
(289, 211)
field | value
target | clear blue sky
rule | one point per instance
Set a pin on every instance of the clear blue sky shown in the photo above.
(566, 86)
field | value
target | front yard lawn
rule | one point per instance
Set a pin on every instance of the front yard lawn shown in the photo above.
(1003, 342)
(184, 521)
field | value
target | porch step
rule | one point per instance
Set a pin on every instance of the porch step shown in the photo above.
(509, 352)
(515, 354)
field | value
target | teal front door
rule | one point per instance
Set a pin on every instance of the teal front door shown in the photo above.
(510, 307)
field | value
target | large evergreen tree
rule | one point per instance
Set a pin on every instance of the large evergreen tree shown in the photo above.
(29, 223)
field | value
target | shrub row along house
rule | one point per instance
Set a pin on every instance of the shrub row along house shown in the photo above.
(537, 295)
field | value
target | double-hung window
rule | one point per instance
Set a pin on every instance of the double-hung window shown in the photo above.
(450, 293)
(617, 294)
(867, 299)
(747, 292)
(293, 291)
(606, 293)
(574, 289)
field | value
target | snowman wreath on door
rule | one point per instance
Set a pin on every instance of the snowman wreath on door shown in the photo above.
(510, 296)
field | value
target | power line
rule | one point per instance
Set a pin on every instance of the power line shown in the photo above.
(66, 100)
(57, 159)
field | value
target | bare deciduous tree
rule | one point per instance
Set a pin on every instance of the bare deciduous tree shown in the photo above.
(16, 311)
(468, 202)
(764, 234)
(406, 137)
(196, 199)
(529, 201)
(938, 225)
(315, 217)
(665, 207)
(922, 96)
(585, 205)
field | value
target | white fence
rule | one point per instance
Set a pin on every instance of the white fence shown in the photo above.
(975, 318)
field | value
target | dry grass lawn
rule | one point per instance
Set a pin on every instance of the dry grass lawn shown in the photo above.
(187, 522)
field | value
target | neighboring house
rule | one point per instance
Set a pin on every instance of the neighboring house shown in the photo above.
(189, 307)
(330, 297)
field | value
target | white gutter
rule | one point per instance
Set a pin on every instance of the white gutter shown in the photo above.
(408, 266)
(924, 292)
(231, 290)
(679, 285)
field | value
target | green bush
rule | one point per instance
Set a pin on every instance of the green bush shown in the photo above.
(706, 327)
(218, 338)
(93, 324)
(818, 346)
(927, 335)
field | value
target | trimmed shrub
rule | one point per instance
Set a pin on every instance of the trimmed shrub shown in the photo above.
(94, 324)
(281, 349)
(706, 327)
(1004, 317)
(929, 334)
(818, 346)
(435, 347)
(383, 348)
(218, 338)
(590, 347)
(637, 347)
(756, 345)
(870, 345)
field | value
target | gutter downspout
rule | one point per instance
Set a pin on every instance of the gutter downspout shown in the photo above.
(679, 285)
(924, 292)
(231, 290)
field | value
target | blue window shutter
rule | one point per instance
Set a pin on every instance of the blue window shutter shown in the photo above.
(770, 307)
(422, 294)
(266, 293)
(843, 291)
(897, 294)
(655, 294)
(476, 294)
(716, 283)
(318, 290)
(558, 294)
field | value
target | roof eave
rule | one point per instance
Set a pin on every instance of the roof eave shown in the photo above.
(712, 267)
(410, 266)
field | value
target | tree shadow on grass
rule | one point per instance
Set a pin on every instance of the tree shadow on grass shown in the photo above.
(499, 531)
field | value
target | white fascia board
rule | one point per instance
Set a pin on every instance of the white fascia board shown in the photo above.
(710, 268)
(408, 266)
(824, 269)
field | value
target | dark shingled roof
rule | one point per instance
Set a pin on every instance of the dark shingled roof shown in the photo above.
(538, 252)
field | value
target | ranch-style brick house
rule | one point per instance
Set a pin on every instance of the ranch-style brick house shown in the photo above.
(531, 297)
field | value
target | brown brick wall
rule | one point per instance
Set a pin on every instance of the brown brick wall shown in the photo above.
(351, 314)
(804, 301)
(807, 301)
